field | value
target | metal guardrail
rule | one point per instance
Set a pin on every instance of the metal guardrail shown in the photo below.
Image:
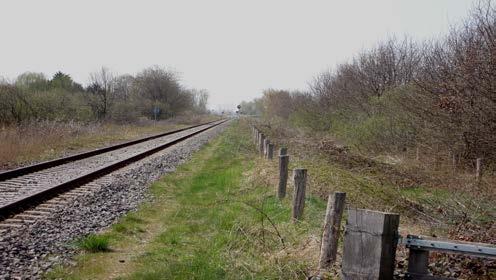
(468, 248)
(419, 247)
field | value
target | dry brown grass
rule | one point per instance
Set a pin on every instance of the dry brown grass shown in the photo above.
(45, 140)
(431, 198)
(425, 191)
(37, 140)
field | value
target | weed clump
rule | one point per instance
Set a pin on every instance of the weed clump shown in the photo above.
(94, 243)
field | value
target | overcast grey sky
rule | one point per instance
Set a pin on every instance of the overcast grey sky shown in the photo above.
(234, 49)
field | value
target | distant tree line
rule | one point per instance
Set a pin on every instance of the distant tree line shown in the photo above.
(153, 93)
(401, 94)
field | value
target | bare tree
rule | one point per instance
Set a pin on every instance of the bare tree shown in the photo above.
(161, 89)
(200, 98)
(102, 88)
(123, 86)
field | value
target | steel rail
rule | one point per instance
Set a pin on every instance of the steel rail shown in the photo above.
(51, 163)
(28, 201)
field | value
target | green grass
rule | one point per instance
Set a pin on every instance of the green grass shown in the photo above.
(214, 218)
(94, 243)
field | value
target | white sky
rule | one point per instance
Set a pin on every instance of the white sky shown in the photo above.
(234, 49)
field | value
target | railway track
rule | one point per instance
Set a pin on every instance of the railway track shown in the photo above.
(24, 188)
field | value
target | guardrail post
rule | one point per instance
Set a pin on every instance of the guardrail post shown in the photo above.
(332, 228)
(370, 243)
(300, 182)
(283, 176)
(270, 152)
(419, 247)
(418, 263)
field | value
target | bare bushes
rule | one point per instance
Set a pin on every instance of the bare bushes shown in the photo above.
(401, 95)
(458, 76)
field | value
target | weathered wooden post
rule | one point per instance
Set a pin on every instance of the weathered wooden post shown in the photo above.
(478, 168)
(417, 154)
(283, 176)
(270, 152)
(261, 143)
(300, 182)
(453, 162)
(332, 228)
(370, 241)
(265, 149)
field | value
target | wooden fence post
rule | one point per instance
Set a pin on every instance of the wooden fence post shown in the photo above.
(283, 176)
(332, 228)
(370, 243)
(270, 152)
(300, 182)
(478, 168)
(265, 149)
(261, 143)
(453, 161)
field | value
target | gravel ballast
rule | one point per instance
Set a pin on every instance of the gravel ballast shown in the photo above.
(29, 251)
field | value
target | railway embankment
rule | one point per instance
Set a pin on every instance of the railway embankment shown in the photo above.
(48, 235)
